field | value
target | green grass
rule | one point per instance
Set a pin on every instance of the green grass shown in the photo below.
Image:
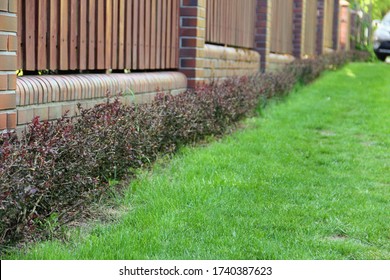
(310, 179)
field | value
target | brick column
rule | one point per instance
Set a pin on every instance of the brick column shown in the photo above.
(336, 22)
(320, 26)
(8, 61)
(263, 31)
(298, 24)
(192, 40)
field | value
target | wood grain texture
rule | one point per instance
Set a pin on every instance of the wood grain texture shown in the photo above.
(98, 34)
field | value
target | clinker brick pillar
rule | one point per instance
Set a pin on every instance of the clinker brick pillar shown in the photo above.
(298, 23)
(263, 31)
(192, 40)
(8, 60)
(320, 26)
(336, 21)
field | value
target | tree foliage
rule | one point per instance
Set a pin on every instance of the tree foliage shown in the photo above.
(379, 7)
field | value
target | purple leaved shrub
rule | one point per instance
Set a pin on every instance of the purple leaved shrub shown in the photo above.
(57, 169)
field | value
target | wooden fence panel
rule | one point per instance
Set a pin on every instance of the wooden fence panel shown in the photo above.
(328, 23)
(310, 28)
(230, 22)
(98, 34)
(281, 26)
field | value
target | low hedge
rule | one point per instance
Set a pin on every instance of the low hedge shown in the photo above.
(56, 169)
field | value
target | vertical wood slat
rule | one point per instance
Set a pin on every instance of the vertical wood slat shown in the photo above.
(64, 20)
(108, 49)
(169, 33)
(100, 51)
(208, 29)
(73, 57)
(175, 39)
(42, 34)
(83, 40)
(92, 34)
(129, 29)
(99, 34)
(159, 32)
(153, 35)
(115, 21)
(147, 34)
(30, 35)
(135, 34)
(21, 43)
(121, 45)
(141, 47)
(164, 32)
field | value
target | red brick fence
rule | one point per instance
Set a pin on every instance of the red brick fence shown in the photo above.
(85, 49)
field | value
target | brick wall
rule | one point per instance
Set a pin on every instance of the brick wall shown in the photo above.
(336, 22)
(202, 62)
(345, 26)
(192, 40)
(51, 96)
(320, 26)
(220, 62)
(276, 62)
(8, 58)
(298, 23)
(262, 31)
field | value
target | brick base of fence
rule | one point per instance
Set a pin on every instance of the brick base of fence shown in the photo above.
(49, 97)
(222, 62)
(277, 61)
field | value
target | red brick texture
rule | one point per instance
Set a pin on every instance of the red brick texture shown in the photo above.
(297, 28)
(8, 60)
(320, 25)
(261, 31)
(221, 62)
(336, 23)
(192, 40)
(50, 96)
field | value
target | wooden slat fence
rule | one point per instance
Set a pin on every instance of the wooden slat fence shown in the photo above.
(328, 23)
(281, 26)
(98, 34)
(230, 22)
(310, 28)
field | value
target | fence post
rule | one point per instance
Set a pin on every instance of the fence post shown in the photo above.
(263, 31)
(192, 40)
(8, 63)
(298, 23)
(336, 22)
(320, 26)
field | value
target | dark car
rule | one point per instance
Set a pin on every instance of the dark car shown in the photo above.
(382, 38)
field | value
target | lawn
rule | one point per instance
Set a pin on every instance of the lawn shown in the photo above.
(309, 179)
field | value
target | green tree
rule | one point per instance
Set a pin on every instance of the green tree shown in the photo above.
(376, 8)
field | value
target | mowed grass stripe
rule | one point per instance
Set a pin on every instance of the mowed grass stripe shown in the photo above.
(310, 179)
